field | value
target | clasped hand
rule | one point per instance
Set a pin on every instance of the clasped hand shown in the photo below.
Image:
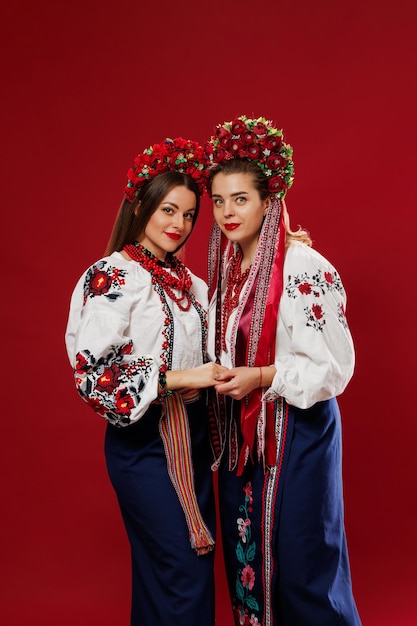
(237, 382)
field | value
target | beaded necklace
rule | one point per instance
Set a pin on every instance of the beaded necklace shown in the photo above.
(182, 282)
(235, 281)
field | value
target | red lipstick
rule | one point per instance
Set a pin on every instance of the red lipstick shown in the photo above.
(231, 226)
(174, 236)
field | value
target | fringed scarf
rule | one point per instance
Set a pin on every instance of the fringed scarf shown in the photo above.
(254, 330)
(175, 433)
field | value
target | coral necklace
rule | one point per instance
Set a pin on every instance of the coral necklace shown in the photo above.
(235, 281)
(160, 276)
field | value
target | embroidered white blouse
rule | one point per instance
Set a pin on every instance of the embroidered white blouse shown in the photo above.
(314, 355)
(120, 330)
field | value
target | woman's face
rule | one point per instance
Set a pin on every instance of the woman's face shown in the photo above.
(171, 223)
(238, 208)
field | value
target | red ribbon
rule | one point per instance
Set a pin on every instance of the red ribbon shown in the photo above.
(265, 355)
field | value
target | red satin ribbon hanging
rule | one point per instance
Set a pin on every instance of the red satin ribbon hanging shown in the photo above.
(265, 355)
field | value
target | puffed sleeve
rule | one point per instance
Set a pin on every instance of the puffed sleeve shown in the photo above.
(111, 377)
(314, 352)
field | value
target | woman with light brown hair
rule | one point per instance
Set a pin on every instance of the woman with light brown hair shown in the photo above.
(277, 321)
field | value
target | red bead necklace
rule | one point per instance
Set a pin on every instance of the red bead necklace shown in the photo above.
(235, 281)
(182, 282)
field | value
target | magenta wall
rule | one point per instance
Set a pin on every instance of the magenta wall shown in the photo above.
(87, 85)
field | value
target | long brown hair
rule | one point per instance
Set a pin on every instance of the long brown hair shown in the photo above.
(133, 217)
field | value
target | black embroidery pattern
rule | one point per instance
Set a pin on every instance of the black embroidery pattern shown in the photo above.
(316, 285)
(110, 385)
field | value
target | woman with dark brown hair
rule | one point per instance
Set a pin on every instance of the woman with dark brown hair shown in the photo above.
(136, 338)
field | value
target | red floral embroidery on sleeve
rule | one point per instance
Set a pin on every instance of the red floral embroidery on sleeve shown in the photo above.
(316, 285)
(109, 385)
(103, 281)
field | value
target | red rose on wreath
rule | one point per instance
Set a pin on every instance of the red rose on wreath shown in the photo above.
(225, 140)
(275, 162)
(144, 162)
(273, 143)
(179, 154)
(220, 155)
(259, 128)
(209, 148)
(238, 127)
(259, 141)
(254, 151)
(131, 174)
(242, 152)
(275, 183)
(248, 137)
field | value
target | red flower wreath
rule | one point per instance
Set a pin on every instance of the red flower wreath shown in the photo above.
(180, 155)
(255, 140)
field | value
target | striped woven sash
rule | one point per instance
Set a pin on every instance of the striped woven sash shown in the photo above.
(175, 433)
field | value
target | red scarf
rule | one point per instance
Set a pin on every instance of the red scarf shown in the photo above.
(254, 332)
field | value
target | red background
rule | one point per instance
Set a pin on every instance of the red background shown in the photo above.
(88, 85)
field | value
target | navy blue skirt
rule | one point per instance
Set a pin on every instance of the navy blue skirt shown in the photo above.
(171, 584)
(283, 530)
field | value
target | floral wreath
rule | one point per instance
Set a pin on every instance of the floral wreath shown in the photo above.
(179, 155)
(255, 140)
